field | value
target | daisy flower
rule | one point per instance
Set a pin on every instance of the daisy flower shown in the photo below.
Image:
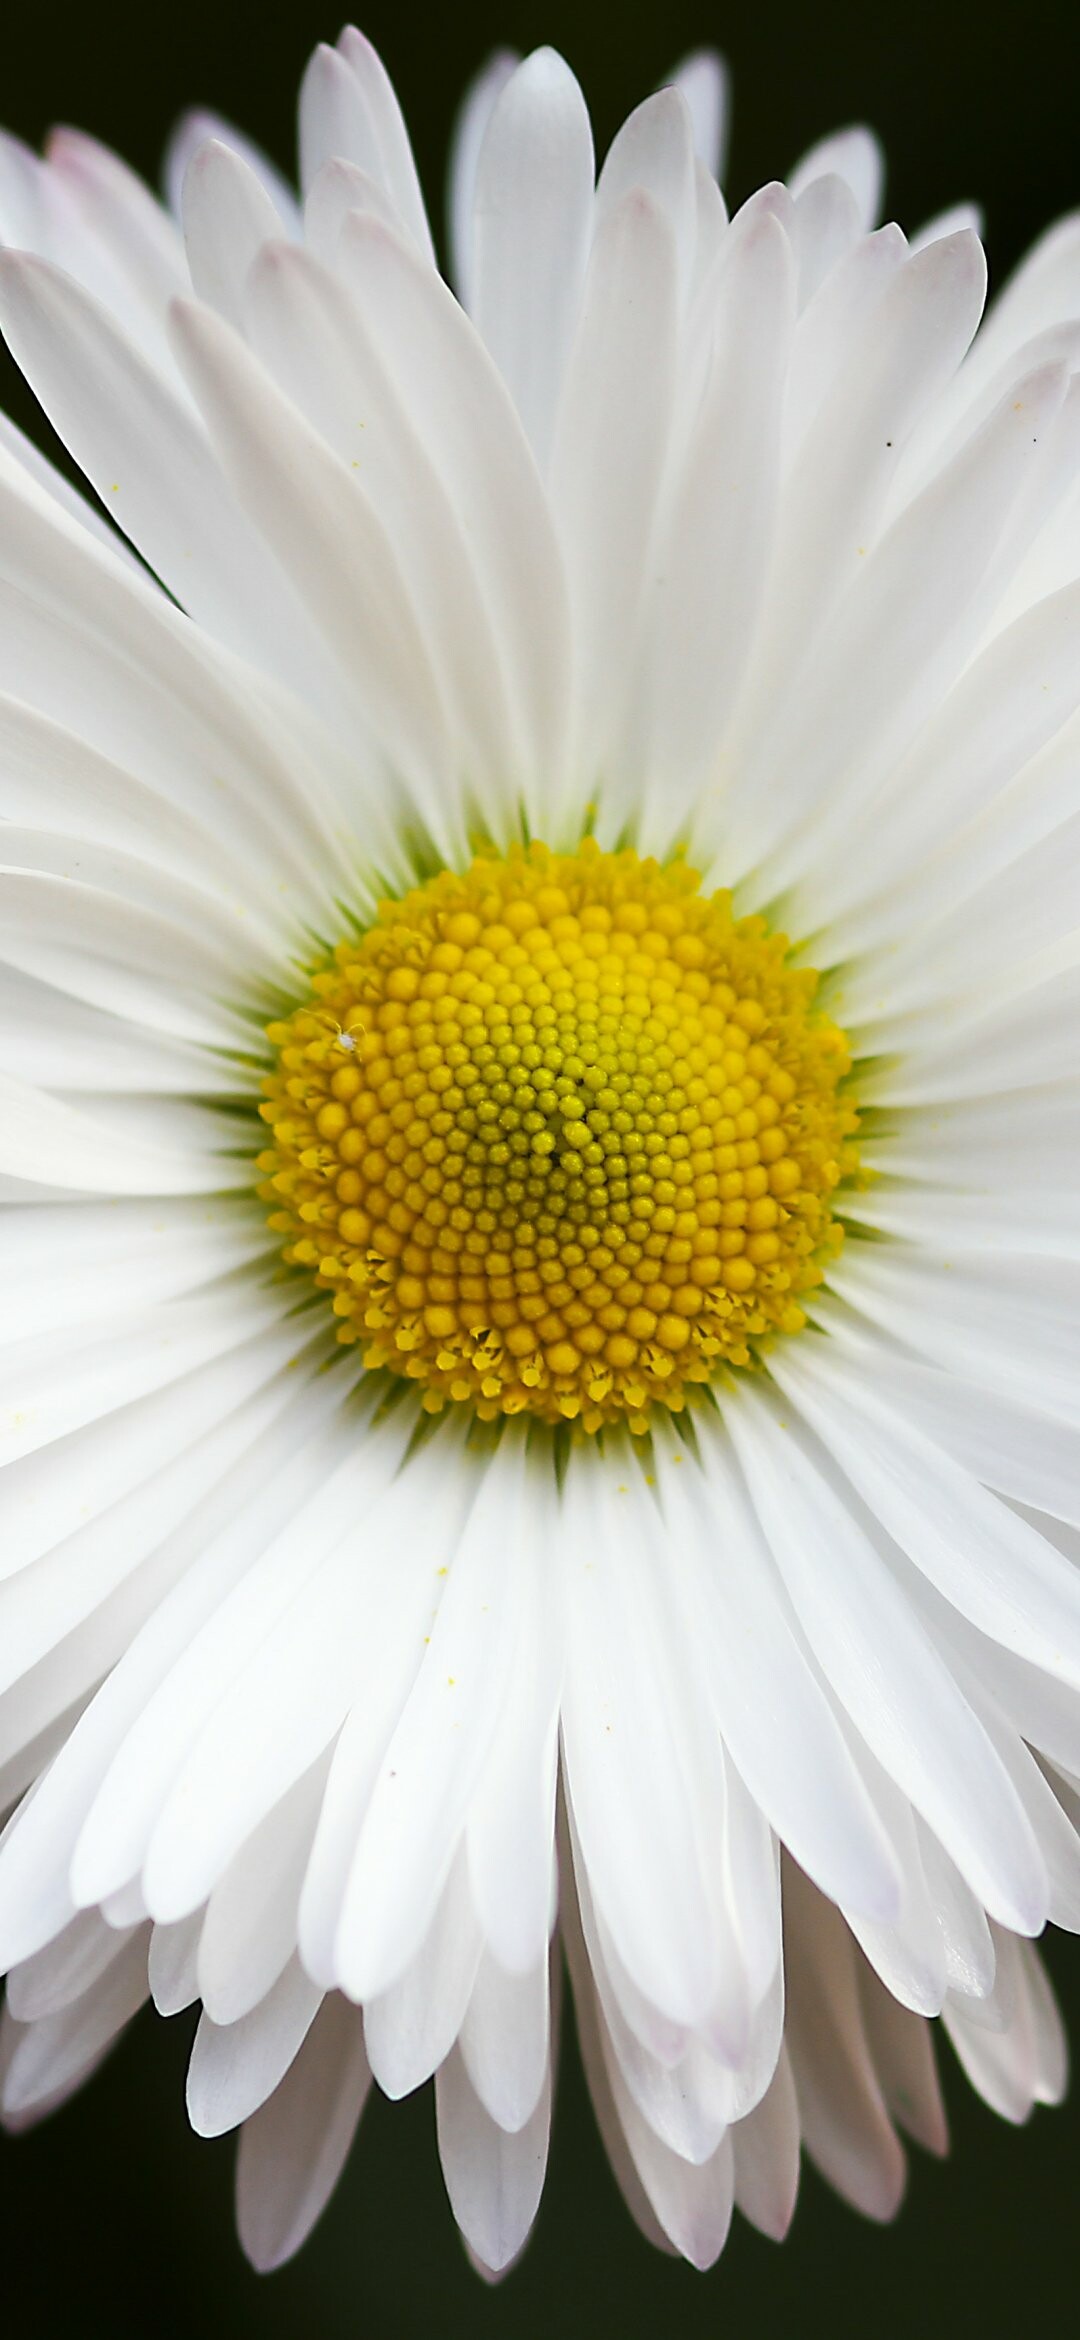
(540, 1109)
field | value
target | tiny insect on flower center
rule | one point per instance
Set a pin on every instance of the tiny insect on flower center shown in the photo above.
(560, 1135)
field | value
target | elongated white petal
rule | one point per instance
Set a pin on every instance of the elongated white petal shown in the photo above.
(494, 2177)
(654, 152)
(293, 2148)
(144, 453)
(846, 2128)
(348, 109)
(434, 1759)
(884, 1669)
(65, 1970)
(505, 2041)
(820, 1810)
(198, 1564)
(909, 344)
(122, 214)
(28, 458)
(343, 563)
(610, 452)
(710, 562)
(469, 130)
(249, 1931)
(703, 82)
(853, 155)
(462, 409)
(534, 183)
(991, 1565)
(906, 647)
(766, 2149)
(54, 2050)
(624, 1761)
(324, 357)
(228, 215)
(198, 128)
(411, 2028)
(235, 2067)
(201, 1718)
(173, 1964)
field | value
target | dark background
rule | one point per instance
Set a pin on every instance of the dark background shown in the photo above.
(116, 2220)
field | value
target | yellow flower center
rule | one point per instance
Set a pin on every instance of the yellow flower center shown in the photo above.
(559, 1135)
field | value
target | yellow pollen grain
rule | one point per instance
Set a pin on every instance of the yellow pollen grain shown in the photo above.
(559, 1136)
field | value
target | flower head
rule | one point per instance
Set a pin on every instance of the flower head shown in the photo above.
(539, 983)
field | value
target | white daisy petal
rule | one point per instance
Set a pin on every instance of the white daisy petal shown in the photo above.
(654, 152)
(610, 450)
(509, 1836)
(845, 2125)
(409, 1833)
(826, 225)
(58, 1145)
(43, 211)
(40, 1605)
(994, 749)
(322, 355)
(853, 155)
(53, 2053)
(235, 2067)
(710, 562)
(1042, 292)
(1010, 1447)
(702, 80)
(173, 1964)
(342, 561)
(475, 438)
(821, 1809)
(29, 459)
(494, 2177)
(1019, 1302)
(505, 2041)
(907, 648)
(348, 111)
(470, 128)
(911, 342)
(592, 2042)
(41, 1837)
(692, 2201)
(531, 221)
(1021, 2064)
(219, 1710)
(248, 1933)
(902, 2051)
(293, 2148)
(995, 1570)
(623, 1757)
(119, 419)
(410, 2028)
(199, 128)
(141, 686)
(386, 135)
(64, 1971)
(948, 223)
(119, 1448)
(228, 215)
(766, 2148)
(120, 213)
(916, 1720)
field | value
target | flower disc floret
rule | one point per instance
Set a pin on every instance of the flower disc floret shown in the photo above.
(560, 1135)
